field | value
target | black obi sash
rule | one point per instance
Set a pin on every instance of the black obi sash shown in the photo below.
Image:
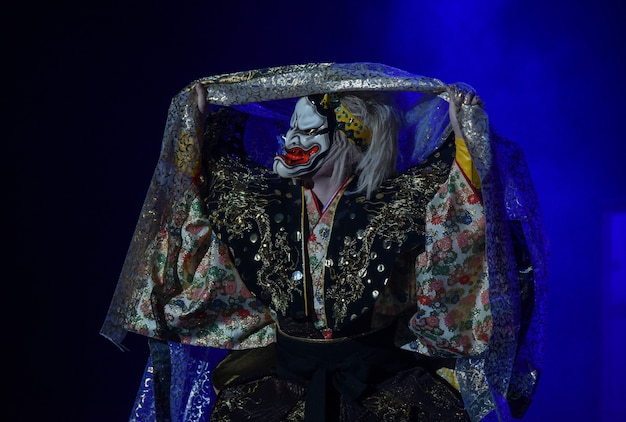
(345, 368)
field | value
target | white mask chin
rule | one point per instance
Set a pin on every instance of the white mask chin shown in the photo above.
(307, 142)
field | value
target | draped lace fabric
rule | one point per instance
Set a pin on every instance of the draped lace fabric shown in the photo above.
(179, 284)
(178, 376)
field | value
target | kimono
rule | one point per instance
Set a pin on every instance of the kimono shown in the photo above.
(436, 281)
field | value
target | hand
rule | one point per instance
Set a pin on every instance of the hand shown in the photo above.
(201, 94)
(461, 94)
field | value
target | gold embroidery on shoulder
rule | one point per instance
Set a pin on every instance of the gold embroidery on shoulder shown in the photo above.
(398, 209)
(244, 210)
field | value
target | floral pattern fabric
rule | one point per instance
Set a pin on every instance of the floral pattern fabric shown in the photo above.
(453, 317)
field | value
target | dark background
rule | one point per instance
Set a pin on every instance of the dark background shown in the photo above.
(86, 90)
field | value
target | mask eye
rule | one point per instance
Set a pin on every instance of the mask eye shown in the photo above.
(317, 131)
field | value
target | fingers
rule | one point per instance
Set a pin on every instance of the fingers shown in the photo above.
(471, 99)
(463, 94)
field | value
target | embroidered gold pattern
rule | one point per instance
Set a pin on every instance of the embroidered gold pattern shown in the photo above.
(409, 194)
(242, 210)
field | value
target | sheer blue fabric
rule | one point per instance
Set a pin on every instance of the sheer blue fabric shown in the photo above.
(191, 393)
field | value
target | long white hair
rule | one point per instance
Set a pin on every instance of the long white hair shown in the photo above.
(378, 162)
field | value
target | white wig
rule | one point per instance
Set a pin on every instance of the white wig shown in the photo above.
(378, 162)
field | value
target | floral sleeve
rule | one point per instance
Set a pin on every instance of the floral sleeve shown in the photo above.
(453, 315)
(198, 296)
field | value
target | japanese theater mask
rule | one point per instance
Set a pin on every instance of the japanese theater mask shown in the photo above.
(307, 141)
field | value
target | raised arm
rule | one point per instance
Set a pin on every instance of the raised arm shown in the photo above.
(461, 94)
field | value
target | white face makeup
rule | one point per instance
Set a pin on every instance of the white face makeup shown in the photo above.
(307, 142)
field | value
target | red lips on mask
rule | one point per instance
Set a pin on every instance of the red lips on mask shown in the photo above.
(296, 156)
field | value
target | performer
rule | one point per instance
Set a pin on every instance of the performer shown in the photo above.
(383, 265)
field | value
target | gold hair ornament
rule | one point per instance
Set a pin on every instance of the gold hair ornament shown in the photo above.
(356, 132)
